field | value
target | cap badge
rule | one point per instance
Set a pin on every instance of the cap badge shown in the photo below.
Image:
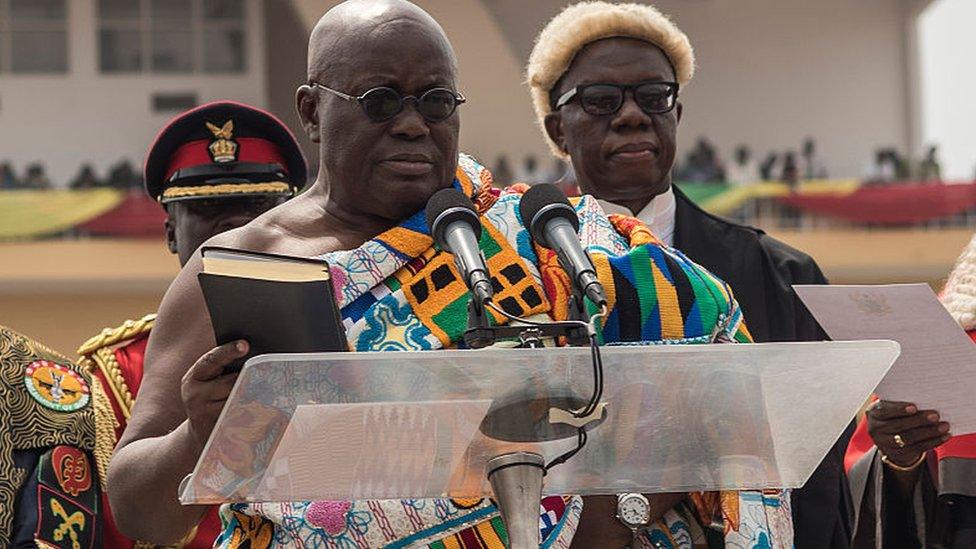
(223, 148)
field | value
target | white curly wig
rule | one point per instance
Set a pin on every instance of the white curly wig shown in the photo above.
(959, 294)
(586, 22)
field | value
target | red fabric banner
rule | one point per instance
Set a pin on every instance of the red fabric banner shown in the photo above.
(895, 204)
(136, 216)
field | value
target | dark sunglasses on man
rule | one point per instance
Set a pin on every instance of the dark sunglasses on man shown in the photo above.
(606, 99)
(383, 103)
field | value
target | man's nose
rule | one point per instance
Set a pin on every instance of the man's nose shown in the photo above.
(409, 124)
(630, 115)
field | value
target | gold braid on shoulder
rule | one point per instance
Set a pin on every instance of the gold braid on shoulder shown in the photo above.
(97, 353)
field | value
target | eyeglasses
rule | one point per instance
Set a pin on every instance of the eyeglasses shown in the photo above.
(383, 103)
(606, 99)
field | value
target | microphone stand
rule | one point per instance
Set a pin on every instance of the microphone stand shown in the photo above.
(481, 333)
(516, 477)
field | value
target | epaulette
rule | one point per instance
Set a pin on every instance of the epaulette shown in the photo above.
(98, 353)
(113, 336)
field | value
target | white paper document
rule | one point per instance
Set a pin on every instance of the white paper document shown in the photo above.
(937, 366)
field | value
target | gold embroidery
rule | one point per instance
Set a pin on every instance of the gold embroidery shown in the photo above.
(68, 523)
(226, 132)
(105, 424)
(97, 353)
(223, 148)
(228, 188)
(111, 336)
(26, 423)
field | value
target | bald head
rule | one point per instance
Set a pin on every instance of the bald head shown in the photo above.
(384, 169)
(354, 24)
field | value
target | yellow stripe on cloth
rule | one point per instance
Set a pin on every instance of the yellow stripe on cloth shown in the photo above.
(488, 535)
(451, 542)
(672, 325)
(29, 213)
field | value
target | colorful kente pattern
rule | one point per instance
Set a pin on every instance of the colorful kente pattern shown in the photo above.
(398, 292)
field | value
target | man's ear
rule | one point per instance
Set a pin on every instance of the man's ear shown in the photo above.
(171, 235)
(554, 129)
(306, 101)
(678, 109)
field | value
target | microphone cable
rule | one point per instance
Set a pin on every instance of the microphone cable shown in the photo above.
(597, 361)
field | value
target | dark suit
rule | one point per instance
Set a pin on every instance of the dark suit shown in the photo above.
(761, 270)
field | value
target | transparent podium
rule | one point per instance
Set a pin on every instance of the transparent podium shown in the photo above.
(404, 425)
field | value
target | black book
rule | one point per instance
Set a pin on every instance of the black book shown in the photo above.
(279, 304)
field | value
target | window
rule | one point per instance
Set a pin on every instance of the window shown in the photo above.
(172, 36)
(33, 36)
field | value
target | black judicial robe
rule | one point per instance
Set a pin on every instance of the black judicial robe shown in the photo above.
(761, 270)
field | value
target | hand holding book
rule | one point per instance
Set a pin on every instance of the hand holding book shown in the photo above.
(278, 304)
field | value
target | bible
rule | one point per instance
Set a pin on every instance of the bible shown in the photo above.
(278, 303)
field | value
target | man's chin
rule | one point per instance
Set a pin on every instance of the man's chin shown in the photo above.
(403, 198)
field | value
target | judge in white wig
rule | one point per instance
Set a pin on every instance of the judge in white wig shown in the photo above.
(605, 80)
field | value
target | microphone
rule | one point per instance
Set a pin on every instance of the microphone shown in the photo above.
(454, 224)
(553, 224)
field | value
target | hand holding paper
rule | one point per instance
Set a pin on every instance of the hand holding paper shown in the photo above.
(937, 366)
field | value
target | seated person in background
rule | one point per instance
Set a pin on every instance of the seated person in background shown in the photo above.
(85, 178)
(213, 168)
(604, 80)
(8, 179)
(36, 178)
(914, 484)
(744, 170)
(382, 157)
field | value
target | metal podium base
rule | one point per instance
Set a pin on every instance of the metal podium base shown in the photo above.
(516, 480)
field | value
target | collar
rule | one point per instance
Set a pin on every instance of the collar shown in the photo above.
(658, 215)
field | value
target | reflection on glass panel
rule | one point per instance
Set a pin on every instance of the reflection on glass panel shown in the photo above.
(224, 50)
(120, 50)
(119, 9)
(170, 11)
(39, 51)
(37, 9)
(172, 51)
(223, 9)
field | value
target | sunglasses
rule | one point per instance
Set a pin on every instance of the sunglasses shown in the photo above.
(606, 99)
(383, 103)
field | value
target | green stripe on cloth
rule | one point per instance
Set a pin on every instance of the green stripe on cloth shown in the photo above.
(453, 318)
(706, 299)
(499, 526)
(31, 213)
(641, 265)
(488, 245)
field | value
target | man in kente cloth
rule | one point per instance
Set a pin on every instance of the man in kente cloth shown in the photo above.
(382, 102)
(605, 81)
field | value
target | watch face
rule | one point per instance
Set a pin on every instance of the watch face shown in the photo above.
(634, 510)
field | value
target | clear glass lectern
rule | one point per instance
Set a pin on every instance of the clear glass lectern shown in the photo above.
(347, 426)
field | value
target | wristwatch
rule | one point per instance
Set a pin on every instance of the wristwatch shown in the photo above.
(634, 511)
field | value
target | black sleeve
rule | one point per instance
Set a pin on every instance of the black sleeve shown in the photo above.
(793, 267)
